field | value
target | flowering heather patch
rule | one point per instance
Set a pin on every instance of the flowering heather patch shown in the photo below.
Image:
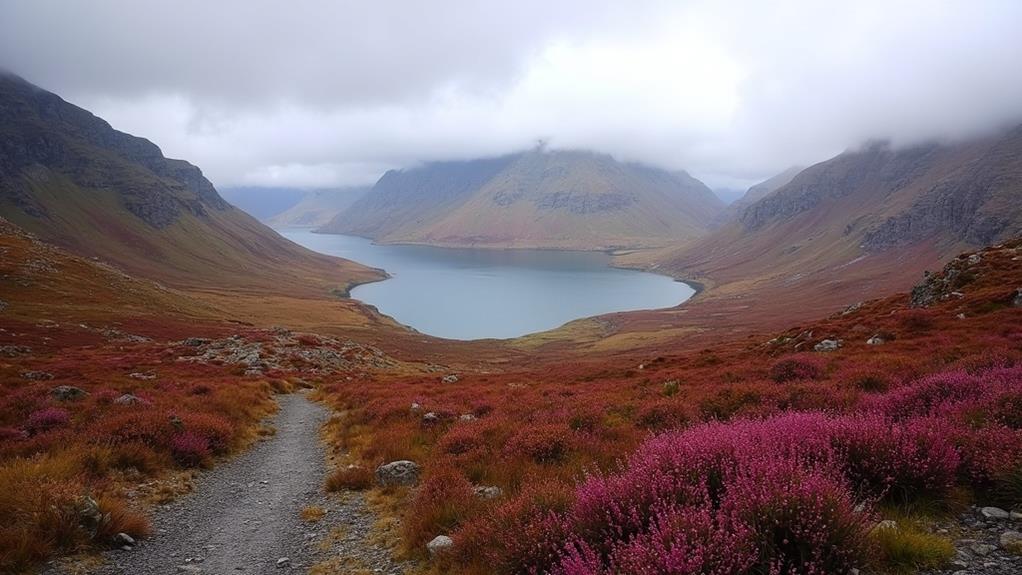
(46, 419)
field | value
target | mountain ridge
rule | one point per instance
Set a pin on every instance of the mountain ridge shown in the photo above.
(67, 176)
(538, 199)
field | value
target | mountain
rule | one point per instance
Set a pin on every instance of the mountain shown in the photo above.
(317, 208)
(754, 194)
(261, 202)
(69, 178)
(534, 199)
(867, 221)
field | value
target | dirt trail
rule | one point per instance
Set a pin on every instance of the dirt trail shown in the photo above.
(244, 516)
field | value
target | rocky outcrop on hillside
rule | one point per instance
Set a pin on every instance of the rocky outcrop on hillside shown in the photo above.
(44, 137)
(967, 192)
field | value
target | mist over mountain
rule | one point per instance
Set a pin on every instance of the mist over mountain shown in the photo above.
(264, 202)
(539, 198)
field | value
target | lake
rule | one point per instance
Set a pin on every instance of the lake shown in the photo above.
(481, 293)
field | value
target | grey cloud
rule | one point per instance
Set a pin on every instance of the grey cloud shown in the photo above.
(321, 93)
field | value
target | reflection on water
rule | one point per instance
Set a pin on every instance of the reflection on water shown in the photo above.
(479, 293)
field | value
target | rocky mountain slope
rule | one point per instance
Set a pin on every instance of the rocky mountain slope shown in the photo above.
(317, 208)
(756, 193)
(69, 178)
(535, 199)
(867, 221)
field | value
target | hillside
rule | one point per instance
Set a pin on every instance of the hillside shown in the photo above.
(317, 208)
(69, 178)
(756, 193)
(865, 222)
(535, 199)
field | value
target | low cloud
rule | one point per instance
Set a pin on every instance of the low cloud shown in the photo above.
(323, 93)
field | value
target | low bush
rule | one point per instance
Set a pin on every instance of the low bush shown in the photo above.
(796, 368)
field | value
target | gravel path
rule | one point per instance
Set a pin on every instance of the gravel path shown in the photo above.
(244, 516)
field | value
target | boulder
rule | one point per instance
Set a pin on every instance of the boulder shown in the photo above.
(440, 544)
(37, 375)
(885, 525)
(1017, 300)
(994, 513)
(450, 378)
(122, 539)
(487, 491)
(142, 376)
(401, 472)
(68, 393)
(467, 417)
(828, 345)
(876, 340)
(128, 399)
(430, 418)
(1011, 541)
(195, 341)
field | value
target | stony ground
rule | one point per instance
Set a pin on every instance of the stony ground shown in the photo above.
(985, 541)
(246, 516)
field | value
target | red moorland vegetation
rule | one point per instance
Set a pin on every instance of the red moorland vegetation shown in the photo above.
(81, 423)
(780, 452)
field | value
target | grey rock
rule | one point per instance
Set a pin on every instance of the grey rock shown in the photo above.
(487, 491)
(1011, 541)
(885, 525)
(195, 341)
(123, 539)
(37, 375)
(401, 472)
(147, 376)
(450, 378)
(439, 544)
(430, 418)
(994, 513)
(14, 350)
(128, 399)
(852, 308)
(283, 562)
(876, 340)
(982, 549)
(68, 393)
(415, 408)
(467, 417)
(1017, 300)
(828, 345)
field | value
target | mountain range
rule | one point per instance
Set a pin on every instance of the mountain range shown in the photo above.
(533, 199)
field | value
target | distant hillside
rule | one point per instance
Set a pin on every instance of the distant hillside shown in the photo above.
(865, 222)
(263, 203)
(69, 178)
(536, 199)
(756, 193)
(317, 208)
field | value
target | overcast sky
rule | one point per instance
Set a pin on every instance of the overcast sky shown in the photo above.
(322, 93)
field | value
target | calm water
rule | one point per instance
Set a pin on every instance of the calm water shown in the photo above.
(476, 293)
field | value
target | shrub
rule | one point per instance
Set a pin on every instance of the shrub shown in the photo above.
(461, 439)
(542, 443)
(46, 419)
(443, 500)
(660, 415)
(217, 430)
(796, 368)
(907, 550)
(352, 478)
(189, 448)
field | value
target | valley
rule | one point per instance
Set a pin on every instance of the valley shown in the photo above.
(548, 360)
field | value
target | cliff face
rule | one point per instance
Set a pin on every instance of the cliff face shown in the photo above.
(69, 178)
(561, 199)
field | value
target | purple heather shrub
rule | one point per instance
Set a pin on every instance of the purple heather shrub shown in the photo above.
(45, 419)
